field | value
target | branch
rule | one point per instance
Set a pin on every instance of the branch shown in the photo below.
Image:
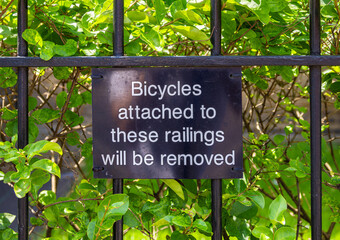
(72, 200)
(6, 8)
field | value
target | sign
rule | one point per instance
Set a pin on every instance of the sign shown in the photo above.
(167, 123)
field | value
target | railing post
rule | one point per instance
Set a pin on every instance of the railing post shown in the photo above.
(315, 127)
(216, 184)
(22, 112)
(118, 43)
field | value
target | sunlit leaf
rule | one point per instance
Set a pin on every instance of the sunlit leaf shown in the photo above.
(175, 186)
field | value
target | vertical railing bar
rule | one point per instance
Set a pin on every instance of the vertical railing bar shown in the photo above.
(118, 34)
(216, 208)
(118, 48)
(118, 225)
(216, 184)
(215, 27)
(22, 105)
(315, 116)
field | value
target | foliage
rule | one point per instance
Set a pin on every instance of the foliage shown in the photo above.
(271, 201)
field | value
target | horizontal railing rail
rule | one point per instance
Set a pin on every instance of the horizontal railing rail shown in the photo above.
(184, 61)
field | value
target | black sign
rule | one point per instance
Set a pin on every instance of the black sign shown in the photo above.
(167, 123)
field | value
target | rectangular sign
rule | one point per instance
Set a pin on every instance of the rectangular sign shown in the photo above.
(167, 123)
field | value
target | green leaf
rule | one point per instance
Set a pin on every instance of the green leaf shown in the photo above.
(115, 205)
(278, 139)
(84, 185)
(91, 229)
(245, 33)
(159, 209)
(277, 5)
(7, 177)
(243, 211)
(202, 225)
(279, 50)
(335, 180)
(271, 31)
(286, 233)
(133, 48)
(36, 221)
(190, 184)
(176, 235)
(45, 115)
(162, 222)
(258, 230)
(11, 128)
(61, 73)
(9, 234)
(239, 184)
(91, 50)
(228, 25)
(289, 129)
(335, 87)
(137, 16)
(61, 99)
(260, 8)
(23, 172)
(277, 208)
(285, 71)
(189, 15)
(72, 118)
(22, 187)
(52, 215)
(177, 6)
(175, 186)
(197, 3)
(263, 137)
(152, 38)
(38, 179)
(256, 197)
(182, 221)
(47, 197)
(47, 165)
(192, 33)
(261, 83)
(46, 52)
(6, 220)
(76, 100)
(131, 220)
(86, 148)
(69, 49)
(32, 103)
(72, 138)
(8, 114)
(43, 146)
(5, 31)
(33, 37)
(160, 10)
(237, 227)
(8, 77)
(87, 97)
(301, 170)
(33, 131)
(329, 11)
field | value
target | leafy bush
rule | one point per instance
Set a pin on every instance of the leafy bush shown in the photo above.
(271, 201)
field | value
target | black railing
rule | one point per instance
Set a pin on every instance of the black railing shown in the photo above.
(314, 60)
(22, 112)
(315, 116)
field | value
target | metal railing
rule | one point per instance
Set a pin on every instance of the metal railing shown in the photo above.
(314, 60)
